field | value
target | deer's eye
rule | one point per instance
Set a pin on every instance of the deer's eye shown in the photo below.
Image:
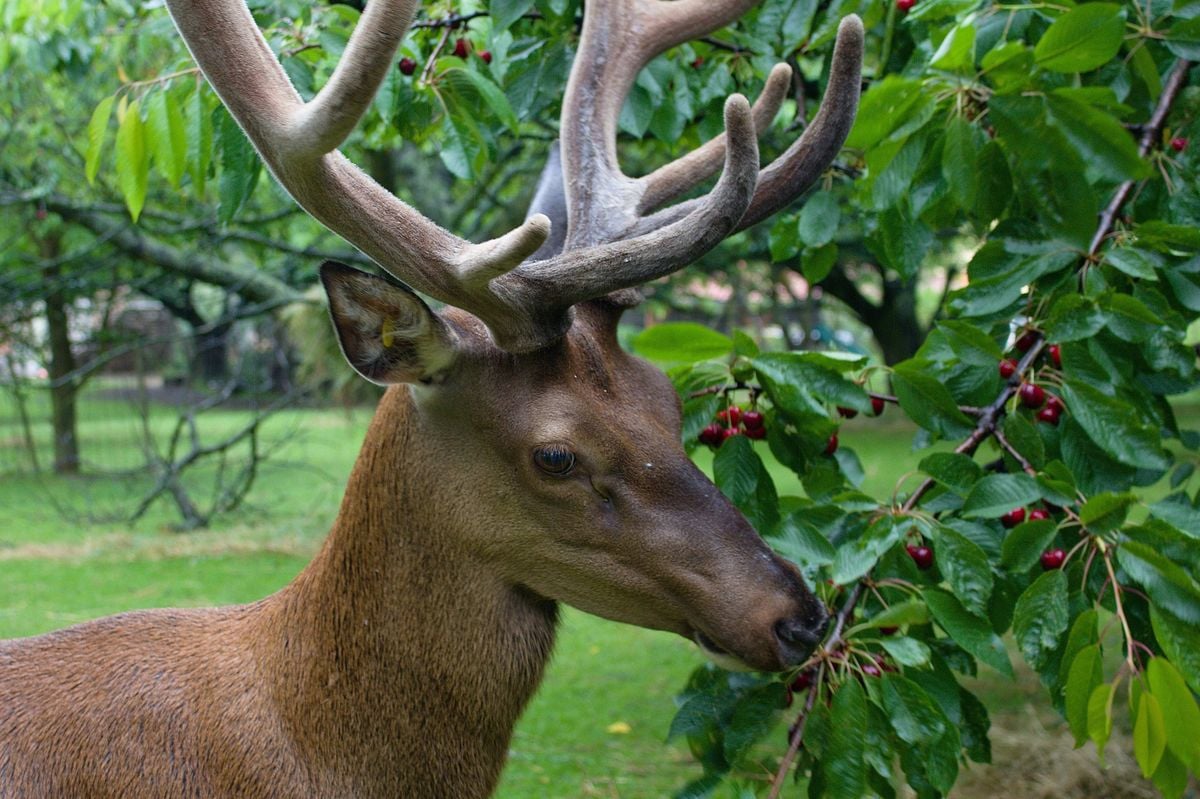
(555, 459)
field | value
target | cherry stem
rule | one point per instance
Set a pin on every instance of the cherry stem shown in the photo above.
(1130, 654)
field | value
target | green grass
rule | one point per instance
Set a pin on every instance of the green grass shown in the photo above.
(596, 728)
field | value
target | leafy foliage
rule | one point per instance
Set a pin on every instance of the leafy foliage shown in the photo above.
(1021, 126)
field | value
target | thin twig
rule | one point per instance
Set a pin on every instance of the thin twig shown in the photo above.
(1151, 133)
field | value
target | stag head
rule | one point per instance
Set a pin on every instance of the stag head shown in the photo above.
(570, 445)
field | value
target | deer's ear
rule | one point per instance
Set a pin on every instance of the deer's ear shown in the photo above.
(387, 333)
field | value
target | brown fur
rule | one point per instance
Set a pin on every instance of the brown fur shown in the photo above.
(398, 661)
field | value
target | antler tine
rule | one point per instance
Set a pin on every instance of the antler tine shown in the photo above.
(575, 276)
(790, 175)
(297, 140)
(671, 180)
(618, 39)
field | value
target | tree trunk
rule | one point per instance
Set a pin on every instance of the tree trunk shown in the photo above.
(211, 363)
(63, 388)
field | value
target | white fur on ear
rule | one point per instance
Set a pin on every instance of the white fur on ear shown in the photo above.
(387, 333)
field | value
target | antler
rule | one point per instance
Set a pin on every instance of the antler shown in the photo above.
(525, 305)
(621, 37)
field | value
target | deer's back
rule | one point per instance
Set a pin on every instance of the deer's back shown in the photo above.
(145, 704)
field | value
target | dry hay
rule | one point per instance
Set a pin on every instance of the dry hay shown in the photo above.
(1032, 761)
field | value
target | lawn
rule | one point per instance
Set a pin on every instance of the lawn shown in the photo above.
(598, 725)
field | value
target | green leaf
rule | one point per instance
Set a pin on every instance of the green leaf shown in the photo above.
(1074, 317)
(956, 53)
(819, 219)
(802, 384)
(1025, 543)
(199, 141)
(928, 402)
(965, 567)
(164, 129)
(1180, 642)
(914, 611)
(800, 542)
(1171, 776)
(1131, 261)
(907, 651)
(1105, 512)
(96, 130)
(1181, 722)
(505, 12)
(1149, 734)
(1114, 426)
(1082, 679)
(1100, 137)
(488, 91)
(740, 474)
(844, 766)
(960, 157)
(240, 166)
(970, 344)
(956, 472)
(1025, 439)
(1099, 717)
(970, 632)
(997, 494)
(1168, 584)
(1040, 617)
(133, 164)
(915, 717)
(754, 714)
(1082, 39)
(855, 558)
(681, 342)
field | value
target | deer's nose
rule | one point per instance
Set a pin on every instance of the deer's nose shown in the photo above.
(799, 635)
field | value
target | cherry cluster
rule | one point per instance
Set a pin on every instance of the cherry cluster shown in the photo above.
(1049, 407)
(462, 48)
(1052, 558)
(734, 421)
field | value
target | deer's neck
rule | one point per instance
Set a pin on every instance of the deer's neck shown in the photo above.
(415, 652)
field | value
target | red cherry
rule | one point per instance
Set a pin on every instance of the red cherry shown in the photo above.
(753, 420)
(831, 445)
(1055, 355)
(1032, 396)
(731, 416)
(885, 631)
(1038, 515)
(1008, 368)
(846, 413)
(1055, 403)
(1053, 559)
(1049, 415)
(697, 62)
(756, 433)
(905, 5)
(1013, 518)
(1027, 340)
(803, 681)
(922, 556)
(871, 670)
(407, 66)
(877, 405)
(712, 435)
(460, 48)
(1179, 144)
(729, 432)
(486, 55)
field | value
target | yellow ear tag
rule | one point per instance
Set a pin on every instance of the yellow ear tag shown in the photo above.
(388, 332)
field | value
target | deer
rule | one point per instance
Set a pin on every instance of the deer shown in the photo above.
(519, 458)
